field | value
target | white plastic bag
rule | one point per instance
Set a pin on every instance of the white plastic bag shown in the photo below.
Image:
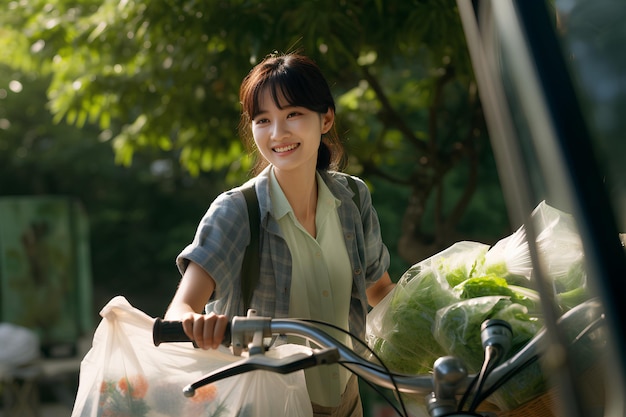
(558, 245)
(125, 375)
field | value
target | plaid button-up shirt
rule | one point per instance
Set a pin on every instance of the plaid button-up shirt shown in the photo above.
(223, 234)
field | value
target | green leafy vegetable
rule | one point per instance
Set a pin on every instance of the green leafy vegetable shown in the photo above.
(570, 299)
(482, 286)
(457, 327)
(413, 307)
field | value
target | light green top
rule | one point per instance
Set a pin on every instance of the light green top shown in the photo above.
(321, 281)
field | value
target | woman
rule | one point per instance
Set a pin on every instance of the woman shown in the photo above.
(322, 256)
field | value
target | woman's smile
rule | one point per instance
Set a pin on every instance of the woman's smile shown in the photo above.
(286, 148)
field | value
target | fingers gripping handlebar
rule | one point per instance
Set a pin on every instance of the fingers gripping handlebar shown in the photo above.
(242, 333)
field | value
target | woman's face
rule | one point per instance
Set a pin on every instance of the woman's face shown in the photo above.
(289, 138)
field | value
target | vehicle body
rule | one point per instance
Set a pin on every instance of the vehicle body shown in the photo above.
(551, 77)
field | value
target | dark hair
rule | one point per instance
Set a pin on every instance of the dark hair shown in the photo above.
(299, 80)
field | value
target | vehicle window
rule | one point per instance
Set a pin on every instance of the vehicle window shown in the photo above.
(593, 36)
(541, 174)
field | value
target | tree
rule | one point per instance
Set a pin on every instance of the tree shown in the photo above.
(165, 75)
(140, 216)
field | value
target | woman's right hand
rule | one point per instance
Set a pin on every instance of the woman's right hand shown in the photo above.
(195, 288)
(206, 330)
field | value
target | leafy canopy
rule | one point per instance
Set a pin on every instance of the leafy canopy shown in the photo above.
(165, 75)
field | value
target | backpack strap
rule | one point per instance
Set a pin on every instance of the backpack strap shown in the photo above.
(251, 266)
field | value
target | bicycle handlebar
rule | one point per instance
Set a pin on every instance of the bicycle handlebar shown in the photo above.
(247, 334)
(172, 331)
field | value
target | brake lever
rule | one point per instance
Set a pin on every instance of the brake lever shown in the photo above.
(285, 365)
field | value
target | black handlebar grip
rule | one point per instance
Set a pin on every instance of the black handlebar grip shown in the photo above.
(172, 331)
(168, 331)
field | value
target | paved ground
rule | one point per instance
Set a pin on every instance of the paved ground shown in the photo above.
(46, 410)
(55, 410)
(52, 385)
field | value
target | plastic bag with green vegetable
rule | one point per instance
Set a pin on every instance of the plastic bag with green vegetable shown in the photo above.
(457, 327)
(560, 246)
(439, 304)
(400, 328)
(509, 258)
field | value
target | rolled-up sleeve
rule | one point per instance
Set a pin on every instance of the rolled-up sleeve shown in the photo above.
(220, 241)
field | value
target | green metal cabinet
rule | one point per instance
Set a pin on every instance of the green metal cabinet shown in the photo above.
(45, 270)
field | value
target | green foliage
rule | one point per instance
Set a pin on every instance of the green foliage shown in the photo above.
(162, 78)
(140, 217)
(168, 72)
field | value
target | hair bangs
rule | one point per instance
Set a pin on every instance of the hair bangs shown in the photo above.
(287, 88)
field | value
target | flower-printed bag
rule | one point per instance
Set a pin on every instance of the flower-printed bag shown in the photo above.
(125, 375)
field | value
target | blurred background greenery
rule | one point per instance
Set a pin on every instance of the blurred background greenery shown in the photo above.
(131, 107)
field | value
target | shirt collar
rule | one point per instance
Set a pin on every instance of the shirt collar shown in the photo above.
(280, 205)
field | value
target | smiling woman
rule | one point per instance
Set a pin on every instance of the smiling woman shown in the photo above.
(321, 254)
(304, 86)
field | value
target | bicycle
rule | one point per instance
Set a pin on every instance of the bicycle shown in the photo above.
(445, 391)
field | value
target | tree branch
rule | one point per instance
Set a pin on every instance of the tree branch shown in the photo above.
(388, 115)
(473, 160)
